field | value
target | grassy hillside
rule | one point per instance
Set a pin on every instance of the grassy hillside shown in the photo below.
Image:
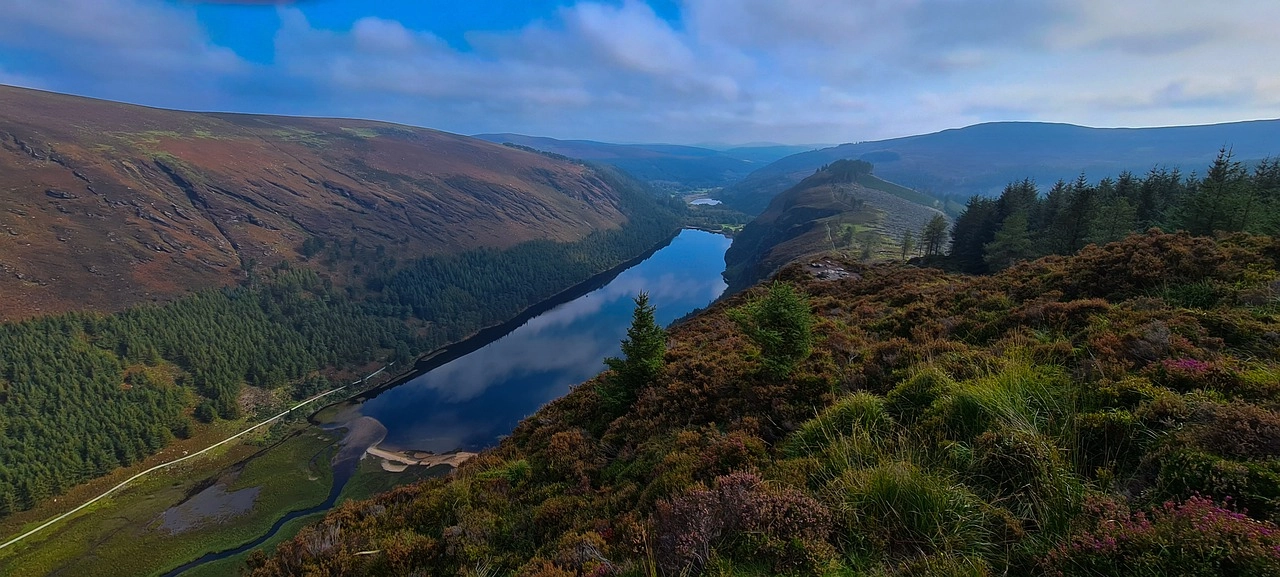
(104, 205)
(1086, 415)
(983, 158)
(835, 209)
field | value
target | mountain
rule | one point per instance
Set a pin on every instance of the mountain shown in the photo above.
(983, 158)
(830, 210)
(103, 205)
(672, 166)
(1073, 416)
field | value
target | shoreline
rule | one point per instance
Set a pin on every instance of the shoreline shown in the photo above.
(444, 354)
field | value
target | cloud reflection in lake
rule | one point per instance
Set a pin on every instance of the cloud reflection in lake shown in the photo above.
(472, 401)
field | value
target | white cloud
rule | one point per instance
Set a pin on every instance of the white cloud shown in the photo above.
(727, 70)
(128, 49)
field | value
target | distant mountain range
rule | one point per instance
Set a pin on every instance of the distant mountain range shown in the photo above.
(983, 158)
(103, 205)
(672, 166)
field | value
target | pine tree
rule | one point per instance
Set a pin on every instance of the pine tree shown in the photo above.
(1011, 244)
(642, 358)
(781, 324)
(934, 235)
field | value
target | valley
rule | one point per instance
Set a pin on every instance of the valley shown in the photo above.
(862, 359)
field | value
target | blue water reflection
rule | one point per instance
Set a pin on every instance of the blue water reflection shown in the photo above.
(469, 403)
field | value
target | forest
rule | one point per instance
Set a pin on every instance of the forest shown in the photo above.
(993, 233)
(84, 393)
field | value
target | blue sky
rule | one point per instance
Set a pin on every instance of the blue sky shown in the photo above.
(684, 71)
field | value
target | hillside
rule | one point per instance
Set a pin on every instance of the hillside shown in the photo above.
(103, 205)
(671, 166)
(1072, 416)
(828, 211)
(983, 158)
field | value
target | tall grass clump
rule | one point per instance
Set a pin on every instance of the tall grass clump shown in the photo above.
(895, 510)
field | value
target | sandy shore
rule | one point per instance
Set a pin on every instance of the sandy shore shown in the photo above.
(397, 461)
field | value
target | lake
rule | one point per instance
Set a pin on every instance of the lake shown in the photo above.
(473, 401)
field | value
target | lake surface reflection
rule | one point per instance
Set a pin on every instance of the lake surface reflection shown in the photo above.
(471, 402)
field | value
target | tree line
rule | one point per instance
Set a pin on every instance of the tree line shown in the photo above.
(993, 233)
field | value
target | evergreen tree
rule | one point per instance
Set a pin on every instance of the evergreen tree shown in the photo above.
(1114, 221)
(1011, 244)
(908, 244)
(1218, 202)
(781, 324)
(934, 235)
(973, 230)
(642, 358)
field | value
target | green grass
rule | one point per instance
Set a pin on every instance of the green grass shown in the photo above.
(361, 132)
(898, 190)
(369, 480)
(232, 565)
(121, 535)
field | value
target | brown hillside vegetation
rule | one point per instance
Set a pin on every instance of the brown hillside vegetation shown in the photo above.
(829, 211)
(103, 205)
(1111, 413)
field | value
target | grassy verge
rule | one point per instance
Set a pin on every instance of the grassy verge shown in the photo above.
(369, 480)
(231, 565)
(122, 535)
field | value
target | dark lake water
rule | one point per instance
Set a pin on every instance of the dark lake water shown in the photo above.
(471, 402)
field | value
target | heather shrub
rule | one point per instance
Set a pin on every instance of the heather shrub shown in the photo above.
(1237, 430)
(1188, 374)
(1195, 538)
(742, 517)
(1251, 485)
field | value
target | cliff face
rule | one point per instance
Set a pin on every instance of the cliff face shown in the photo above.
(103, 205)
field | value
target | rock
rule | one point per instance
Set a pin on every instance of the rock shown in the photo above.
(62, 194)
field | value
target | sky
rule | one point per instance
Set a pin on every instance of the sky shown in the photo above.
(679, 71)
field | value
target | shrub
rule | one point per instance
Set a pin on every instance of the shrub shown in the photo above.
(1255, 486)
(781, 324)
(742, 517)
(1238, 430)
(1188, 374)
(1197, 537)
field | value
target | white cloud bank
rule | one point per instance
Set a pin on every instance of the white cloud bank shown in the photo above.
(728, 70)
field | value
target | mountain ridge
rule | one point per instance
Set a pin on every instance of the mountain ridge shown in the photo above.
(673, 166)
(983, 158)
(137, 204)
